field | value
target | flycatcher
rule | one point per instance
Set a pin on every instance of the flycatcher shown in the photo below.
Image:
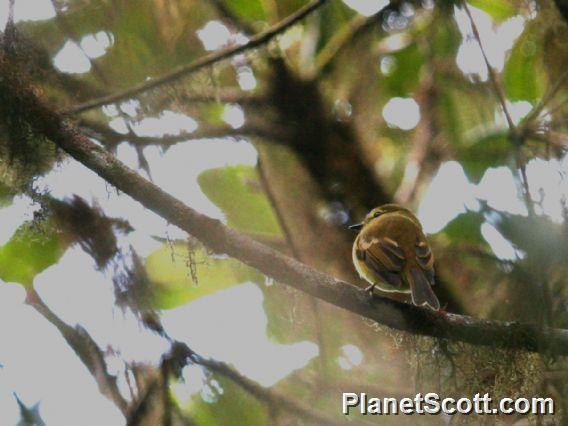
(391, 252)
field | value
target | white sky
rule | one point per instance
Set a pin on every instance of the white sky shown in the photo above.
(27, 10)
(366, 7)
(497, 39)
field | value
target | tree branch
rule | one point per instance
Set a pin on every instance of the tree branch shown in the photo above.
(231, 96)
(88, 352)
(110, 138)
(221, 239)
(86, 349)
(204, 61)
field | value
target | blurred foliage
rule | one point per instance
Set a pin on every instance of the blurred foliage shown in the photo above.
(465, 227)
(223, 402)
(403, 78)
(238, 192)
(523, 76)
(353, 67)
(542, 240)
(490, 150)
(34, 247)
(6, 195)
(498, 9)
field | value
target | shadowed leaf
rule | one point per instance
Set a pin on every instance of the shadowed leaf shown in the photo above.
(522, 75)
(181, 274)
(466, 228)
(237, 191)
(490, 150)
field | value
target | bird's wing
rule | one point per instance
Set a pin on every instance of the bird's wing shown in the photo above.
(425, 259)
(421, 276)
(384, 257)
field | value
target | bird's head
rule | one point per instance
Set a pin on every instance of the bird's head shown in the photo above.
(384, 210)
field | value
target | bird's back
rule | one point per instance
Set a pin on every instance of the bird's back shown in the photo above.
(398, 227)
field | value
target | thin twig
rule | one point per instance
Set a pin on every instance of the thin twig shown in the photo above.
(202, 62)
(492, 74)
(110, 137)
(143, 405)
(273, 202)
(85, 348)
(225, 96)
(525, 182)
(314, 302)
(190, 101)
(514, 135)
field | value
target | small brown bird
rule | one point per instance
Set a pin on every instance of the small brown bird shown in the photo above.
(391, 252)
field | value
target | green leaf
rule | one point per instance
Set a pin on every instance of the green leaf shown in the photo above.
(490, 150)
(181, 274)
(31, 249)
(523, 75)
(498, 9)
(238, 192)
(465, 228)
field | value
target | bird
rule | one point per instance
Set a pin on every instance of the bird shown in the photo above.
(391, 252)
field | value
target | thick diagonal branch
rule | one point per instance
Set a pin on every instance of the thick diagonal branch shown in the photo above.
(221, 239)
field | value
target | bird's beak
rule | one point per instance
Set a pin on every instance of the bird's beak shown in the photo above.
(356, 227)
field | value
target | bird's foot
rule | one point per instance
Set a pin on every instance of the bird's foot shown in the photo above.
(370, 289)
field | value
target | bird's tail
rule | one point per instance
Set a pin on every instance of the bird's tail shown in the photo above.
(422, 293)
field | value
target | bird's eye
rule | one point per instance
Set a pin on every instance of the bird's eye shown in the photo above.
(377, 214)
